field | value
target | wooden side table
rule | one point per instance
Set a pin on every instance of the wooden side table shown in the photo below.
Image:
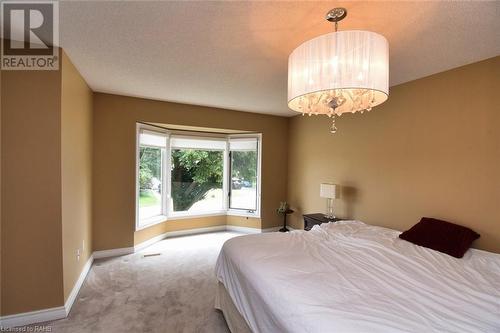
(311, 220)
(285, 213)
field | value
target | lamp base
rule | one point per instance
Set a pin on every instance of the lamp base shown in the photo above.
(329, 209)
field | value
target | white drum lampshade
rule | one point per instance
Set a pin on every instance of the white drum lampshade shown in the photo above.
(339, 72)
(328, 191)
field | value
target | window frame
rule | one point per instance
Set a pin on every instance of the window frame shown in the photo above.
(167, 207)
(185, 214)
(242, 211)
(150, 221)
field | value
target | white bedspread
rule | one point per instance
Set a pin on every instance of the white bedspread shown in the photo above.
(352, 277)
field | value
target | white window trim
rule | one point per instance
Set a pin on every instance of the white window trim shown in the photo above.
(227, 176)
(242, 212)
(150, 221)
(167, 213)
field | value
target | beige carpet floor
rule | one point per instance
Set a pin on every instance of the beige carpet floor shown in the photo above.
(172, 292)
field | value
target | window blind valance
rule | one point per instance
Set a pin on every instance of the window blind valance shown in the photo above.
(153, 139)
(243, 144)
(182, 142)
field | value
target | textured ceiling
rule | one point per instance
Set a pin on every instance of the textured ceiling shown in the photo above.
(234, 54)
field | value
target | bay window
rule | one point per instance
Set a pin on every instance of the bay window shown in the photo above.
(187, 175)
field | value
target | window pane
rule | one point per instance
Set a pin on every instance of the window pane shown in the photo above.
(150, 182)
(197, 180)
(244, 175)
(183, 142)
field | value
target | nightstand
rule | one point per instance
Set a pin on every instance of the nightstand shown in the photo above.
(311, 220)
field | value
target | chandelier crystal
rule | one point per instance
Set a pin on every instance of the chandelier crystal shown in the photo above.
(343, 71)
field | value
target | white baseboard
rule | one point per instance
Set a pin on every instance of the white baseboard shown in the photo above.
(168, 234)
(234, 228)
(113, 252)
(26, 318)
(245, 230)
(39, 316)
(76, 288)
(273, 229)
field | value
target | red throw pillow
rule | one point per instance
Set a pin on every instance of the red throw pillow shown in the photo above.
(441, 236)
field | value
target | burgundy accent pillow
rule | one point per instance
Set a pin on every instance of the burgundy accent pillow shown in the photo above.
(441, 236)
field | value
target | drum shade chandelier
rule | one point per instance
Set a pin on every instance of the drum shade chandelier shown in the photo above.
(342, 71)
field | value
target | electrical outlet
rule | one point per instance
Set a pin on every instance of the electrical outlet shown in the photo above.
(78, 254)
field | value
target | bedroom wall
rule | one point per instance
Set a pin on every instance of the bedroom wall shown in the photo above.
(177, 225)
(76, 166)
(193, 223)
(45, 190)
(249, 222)
(433, 149)
(32, 266)
(114, 162)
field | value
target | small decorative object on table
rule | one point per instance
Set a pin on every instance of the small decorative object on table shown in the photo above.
(284, 210)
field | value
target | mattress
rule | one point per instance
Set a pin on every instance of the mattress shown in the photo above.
(352, 277)
(234, 320)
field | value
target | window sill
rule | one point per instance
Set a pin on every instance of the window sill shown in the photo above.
(243, 213)
(151, 221)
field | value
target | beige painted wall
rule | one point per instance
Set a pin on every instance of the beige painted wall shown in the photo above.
(193, 223)
(76, 166)
(433, 149)
(114, 160)
(249, 222)
(176, 225)
(32, 267)
(46, 185)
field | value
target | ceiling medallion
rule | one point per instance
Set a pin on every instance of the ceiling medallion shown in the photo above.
(342, 71)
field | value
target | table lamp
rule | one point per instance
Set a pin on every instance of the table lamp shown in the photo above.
(330, 192)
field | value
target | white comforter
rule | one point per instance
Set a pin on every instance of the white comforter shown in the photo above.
(352, 277)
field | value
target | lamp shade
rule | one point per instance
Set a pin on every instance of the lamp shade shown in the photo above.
(344, 71)
(328, 191)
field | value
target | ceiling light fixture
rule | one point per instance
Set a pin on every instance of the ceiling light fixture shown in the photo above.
(342, 71)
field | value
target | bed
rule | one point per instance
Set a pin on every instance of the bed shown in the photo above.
(352, 277)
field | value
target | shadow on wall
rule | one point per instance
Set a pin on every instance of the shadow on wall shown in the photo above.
(348, 196)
